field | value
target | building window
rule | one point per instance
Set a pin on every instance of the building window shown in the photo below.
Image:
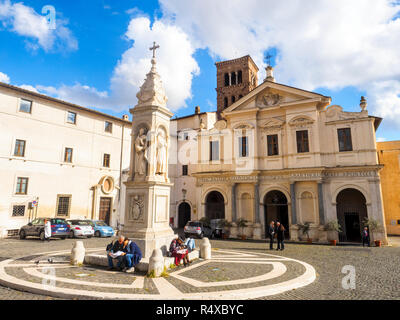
(226, 80)
(68, 155)
(106, 160)
(273, 149)
(63, 205)
(243, 147)
(302, 141)
(71, 117)
(225, 102)
(19, 150)
(18, 211)
(240, 96)
(22, 186)
(108, 127)
(233, 99)
(233, 78)
(25, 106)
(185, 169)
(185, 136)
(214, 150)
(344, 136)
(240, 77)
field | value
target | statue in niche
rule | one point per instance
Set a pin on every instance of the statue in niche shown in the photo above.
(136, 208)
(161, 154)
(140, 156)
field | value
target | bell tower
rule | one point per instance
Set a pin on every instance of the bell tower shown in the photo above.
(235, 79)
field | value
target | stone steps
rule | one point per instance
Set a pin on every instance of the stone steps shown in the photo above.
(101, 260)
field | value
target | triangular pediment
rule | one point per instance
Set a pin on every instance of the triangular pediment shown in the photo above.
(271, 95)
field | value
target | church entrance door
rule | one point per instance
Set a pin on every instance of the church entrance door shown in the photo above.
(351, 211)
(183, 214)
(276, 209)
(215, 205)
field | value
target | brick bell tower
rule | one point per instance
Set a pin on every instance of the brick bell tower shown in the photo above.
(235, 79)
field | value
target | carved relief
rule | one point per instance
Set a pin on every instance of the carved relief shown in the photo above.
(301, 121)
(269, 99)
(136, 208)
(161, 153)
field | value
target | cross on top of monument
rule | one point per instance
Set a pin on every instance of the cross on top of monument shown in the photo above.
(154, 48)
(268, 58)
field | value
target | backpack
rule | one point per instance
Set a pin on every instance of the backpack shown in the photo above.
(109, 246)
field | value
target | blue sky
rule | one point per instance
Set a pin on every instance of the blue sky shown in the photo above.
(94, 55)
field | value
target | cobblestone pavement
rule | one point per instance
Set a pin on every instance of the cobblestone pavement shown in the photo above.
(376, 269)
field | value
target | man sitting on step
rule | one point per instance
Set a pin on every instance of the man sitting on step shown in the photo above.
(133, 255)
(115, 251)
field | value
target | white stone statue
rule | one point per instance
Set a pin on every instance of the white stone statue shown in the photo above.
(140, 153)
(161, 155)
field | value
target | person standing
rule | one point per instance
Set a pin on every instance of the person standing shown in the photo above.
(47, 229)
(280, 236)
(365, 237)
(271, 235)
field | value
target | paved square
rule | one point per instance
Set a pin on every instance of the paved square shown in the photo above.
(238, 270)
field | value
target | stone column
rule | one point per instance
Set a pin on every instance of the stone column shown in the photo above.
(321, 204)
(234, 213)
(293, 200)
(257, 226)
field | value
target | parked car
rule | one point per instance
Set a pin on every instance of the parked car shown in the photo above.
(59, 228)
(81, 228)
(198, 229)
(102, 229)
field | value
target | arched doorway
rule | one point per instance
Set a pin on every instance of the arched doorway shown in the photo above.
(215, 205)
(184, 214)
(276, 209)
(351, 210)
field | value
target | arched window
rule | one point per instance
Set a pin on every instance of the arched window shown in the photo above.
(225, 102)
(233, 78)
(240, 80)
(226, 79)
(233, 99)
(240, 96)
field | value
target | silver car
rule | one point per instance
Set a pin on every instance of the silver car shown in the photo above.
(81, 228)
(198, 229)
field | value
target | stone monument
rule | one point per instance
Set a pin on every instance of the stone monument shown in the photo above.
(148, 186)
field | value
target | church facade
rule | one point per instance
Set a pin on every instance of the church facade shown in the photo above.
(278, 153)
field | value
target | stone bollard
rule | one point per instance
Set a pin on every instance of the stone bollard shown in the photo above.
(205, 249)
(78, 253)
(156, 263)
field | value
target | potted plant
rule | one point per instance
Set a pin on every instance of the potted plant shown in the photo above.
(242, 223)
(333, 226)
(373, 226)
(225, 225)
(305, 229)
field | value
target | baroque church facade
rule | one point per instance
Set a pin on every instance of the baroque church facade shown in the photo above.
(274, 152)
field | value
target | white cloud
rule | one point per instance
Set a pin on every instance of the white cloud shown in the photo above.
(24, 21)
(175, 65)
(4, 78)
(379, 139)
(321, 43)
(29, 88)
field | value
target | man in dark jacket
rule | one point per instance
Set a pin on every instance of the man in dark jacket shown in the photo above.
(271, 234)
(280, 236)
(116, 247)
(365, 237)
(133, 255)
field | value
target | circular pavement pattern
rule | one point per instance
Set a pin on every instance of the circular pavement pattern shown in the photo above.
(229, 275)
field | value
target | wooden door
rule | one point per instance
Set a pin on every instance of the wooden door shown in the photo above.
(105, 210)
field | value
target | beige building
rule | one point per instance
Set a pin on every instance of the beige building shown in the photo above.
(279, 153)
(68, 159)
